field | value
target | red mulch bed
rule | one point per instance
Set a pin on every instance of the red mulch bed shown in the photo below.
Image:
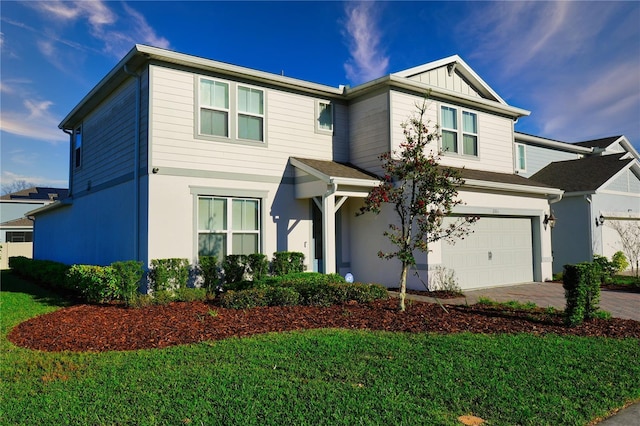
(112, 327)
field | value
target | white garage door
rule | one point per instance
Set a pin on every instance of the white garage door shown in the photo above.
(498, 252)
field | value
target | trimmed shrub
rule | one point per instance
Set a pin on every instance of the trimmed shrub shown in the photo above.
(234, 267)
(257, 266)
(187, 294)
(245, 299)
(128, 274)
(46, 272)
(209, 269)
(282, 296)
(98, 284)
(168, 274)
(287, 262)
(582, 291)
(163, 297)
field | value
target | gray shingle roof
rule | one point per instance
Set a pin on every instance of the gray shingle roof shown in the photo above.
(599, 143)
(502, 178)
(37, 193)
(585, 174)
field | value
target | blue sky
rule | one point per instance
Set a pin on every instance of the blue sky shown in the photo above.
(574, 65)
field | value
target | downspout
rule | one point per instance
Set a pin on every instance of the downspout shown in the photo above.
(70, 133)
(589, 200)
(136, 166)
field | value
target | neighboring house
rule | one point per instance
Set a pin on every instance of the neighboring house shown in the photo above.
(14, 226)
(16, 230)
(174, 155)
(601, 180)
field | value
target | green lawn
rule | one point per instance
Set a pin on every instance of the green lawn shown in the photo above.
(314, 377)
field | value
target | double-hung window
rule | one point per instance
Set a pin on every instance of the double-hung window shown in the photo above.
(250, 113)
(228, 226)
(459, 125)
(214, 108)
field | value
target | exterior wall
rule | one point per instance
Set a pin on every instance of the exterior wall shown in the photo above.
(365, 244)
(606, 241)
(369, 130)
(440, 77)
(539, 157)
(107, 142)
(626, 182)
(289, 131)
(8, 250)
(495, 134)
(11, 210)
(97, 229)
(571, 237)
(285, 221)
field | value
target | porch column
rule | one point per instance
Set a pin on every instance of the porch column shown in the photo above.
(329, 231)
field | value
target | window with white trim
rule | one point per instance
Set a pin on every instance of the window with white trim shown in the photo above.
(214, 108)
(250, 113)
(228, 225)
(453, 132)
(77, 147)
(521, 158)
(324, 120)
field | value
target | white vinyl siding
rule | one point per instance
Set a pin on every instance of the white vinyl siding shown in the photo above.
(539, 157)
(369, 127)
(108, 141)
(289, 130)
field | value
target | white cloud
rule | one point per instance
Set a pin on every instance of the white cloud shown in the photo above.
(34, 121)
(368, 60)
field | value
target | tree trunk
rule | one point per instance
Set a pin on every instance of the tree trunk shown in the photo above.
(403, 285)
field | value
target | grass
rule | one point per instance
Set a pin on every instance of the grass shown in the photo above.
(625, 280)
(314, 377)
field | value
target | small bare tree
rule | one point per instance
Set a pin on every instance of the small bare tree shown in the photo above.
(15, 186)
(629, 232)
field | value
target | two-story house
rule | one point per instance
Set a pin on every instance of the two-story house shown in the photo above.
(601, 180)
(178, 156)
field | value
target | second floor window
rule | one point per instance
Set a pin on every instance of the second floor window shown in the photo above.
(521, 158)
(77, 147)
(459, 125)
(325, 117)
(250, 114)
(214, 108)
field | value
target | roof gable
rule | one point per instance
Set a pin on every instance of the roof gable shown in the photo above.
(453, 74)
(583, 175)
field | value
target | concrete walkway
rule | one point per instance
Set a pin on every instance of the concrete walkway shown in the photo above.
(619, 304)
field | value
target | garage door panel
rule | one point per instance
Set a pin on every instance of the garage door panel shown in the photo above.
(498, 252)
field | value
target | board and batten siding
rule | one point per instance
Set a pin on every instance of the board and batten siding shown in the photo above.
(626, 182)
(108, 140)
(369, 131)
(495, 134)
(440, 77)
(289, 130)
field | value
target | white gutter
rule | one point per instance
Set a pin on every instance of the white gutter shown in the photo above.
(510, 187)
(552, 144)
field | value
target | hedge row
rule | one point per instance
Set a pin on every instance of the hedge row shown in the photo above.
(310, 288)
(97, 284)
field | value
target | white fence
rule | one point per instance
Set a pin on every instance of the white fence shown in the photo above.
(14, 249)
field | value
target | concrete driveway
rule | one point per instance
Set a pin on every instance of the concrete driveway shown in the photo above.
(620, 304)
